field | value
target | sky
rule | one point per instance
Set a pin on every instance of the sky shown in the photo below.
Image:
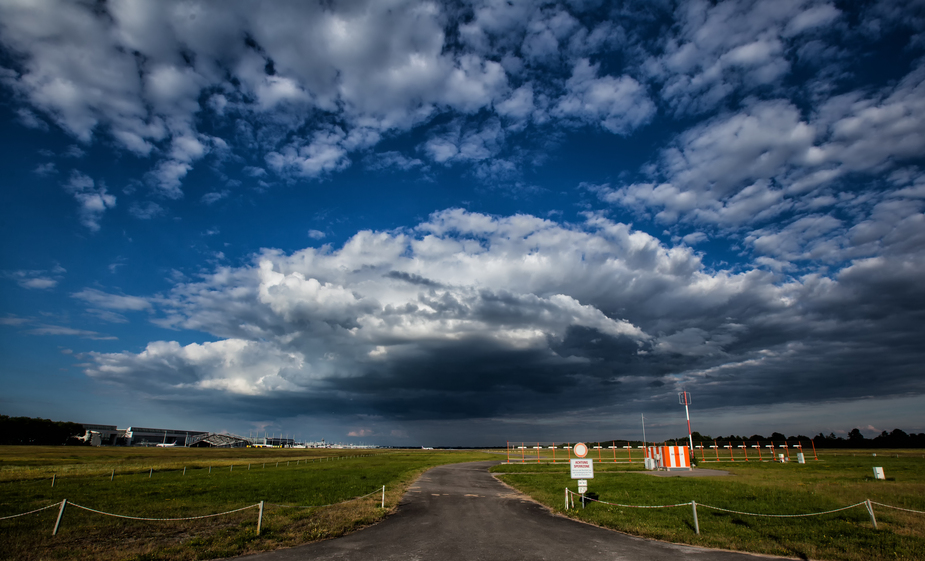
(464, 223)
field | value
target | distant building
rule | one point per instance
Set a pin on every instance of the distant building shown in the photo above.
(142, 436)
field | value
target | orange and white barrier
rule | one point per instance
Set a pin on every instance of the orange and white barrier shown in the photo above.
(669, 457)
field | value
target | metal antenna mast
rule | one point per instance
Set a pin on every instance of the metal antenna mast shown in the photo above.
(685, 399)
(643, 429)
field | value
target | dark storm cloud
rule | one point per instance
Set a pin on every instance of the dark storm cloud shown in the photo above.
(405, 326)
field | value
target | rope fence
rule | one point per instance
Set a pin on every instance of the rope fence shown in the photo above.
(867, 504)
(88, 509)
(30, 512)
(897, 508)
(62, 505)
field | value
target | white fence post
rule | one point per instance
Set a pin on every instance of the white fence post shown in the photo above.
(53, 476)
(151, 471)
(58, 521)
(870, 510)
(566, 498)
(383, 496)
(260, 518)
(696, 522)
(112, 475)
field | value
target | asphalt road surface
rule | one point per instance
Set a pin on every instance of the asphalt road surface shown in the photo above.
(460, 512)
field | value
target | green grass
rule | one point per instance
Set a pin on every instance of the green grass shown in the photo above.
(321, 477)
(770, 488)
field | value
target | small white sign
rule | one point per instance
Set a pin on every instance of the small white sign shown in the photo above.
(582, 468)
(582, 486)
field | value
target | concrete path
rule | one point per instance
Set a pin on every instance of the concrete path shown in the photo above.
(460, 512)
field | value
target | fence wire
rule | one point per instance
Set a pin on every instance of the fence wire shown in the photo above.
(740, 512)
(782, 515)
(31, 511)
(897, 508)
(628, 506)
(161, 519)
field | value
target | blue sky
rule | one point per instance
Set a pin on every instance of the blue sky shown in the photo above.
(464, 223)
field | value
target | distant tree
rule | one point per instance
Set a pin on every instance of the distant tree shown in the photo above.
(855, 436)
(898, 435)
(757, 437)
(778, 436)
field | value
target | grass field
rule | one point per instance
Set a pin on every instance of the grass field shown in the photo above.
(150, 483)
(836, 480)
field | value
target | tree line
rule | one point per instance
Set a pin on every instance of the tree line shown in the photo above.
(34, 431)
(855, 439)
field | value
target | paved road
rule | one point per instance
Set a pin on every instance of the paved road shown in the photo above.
(460, 512)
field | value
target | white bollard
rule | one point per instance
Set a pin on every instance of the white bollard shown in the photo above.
(878, 473)
(383, 496)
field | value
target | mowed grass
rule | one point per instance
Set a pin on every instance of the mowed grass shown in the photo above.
(833, 482)
(303, 478)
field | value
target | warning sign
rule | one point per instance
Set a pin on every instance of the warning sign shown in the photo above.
(580, 450)
(582, 468)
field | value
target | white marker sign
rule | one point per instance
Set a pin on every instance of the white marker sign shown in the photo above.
(582, 486)
(582, 468)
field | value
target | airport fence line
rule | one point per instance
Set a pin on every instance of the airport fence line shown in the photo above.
(867, 504)
(737, 451)
(63, 504)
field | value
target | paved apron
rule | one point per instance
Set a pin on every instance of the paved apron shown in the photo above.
(460, 512)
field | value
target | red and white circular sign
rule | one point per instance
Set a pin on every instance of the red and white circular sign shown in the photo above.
(580, 449)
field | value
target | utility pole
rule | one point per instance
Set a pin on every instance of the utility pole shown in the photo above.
(685, 399)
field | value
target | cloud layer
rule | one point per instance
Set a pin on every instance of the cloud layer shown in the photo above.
(469, 315)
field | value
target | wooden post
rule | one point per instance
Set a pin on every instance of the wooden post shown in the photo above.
(58, 521)
(260, 518)
(870, 510)
(696, 522)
